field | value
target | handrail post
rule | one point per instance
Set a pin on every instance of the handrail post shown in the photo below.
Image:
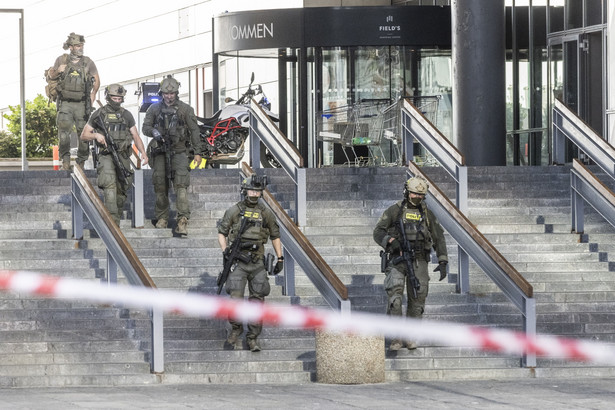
(577, 206)
(559, 140)
(111, 270)
(529, 328)
(407, 138)
(157, 362)
(76, 214)
(289, 275)
(462, 189)
(138, 217)
(301, 198)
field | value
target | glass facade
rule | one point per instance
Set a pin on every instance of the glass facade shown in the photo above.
(555, 49)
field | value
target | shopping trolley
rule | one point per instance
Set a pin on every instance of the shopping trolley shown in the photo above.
(359, 124)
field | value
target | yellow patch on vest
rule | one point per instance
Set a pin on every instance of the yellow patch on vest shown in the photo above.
(412, 216)
(112, 116)
(253, 215)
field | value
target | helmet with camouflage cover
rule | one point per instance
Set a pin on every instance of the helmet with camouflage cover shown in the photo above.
(73, 39)
(415, 185)
(114, 90)
(254, 183)
(169, 85)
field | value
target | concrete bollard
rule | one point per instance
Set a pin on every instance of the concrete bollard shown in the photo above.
(349, 359)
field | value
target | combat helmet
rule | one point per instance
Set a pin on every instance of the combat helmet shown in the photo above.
(73, 39)
(254, 183)
(114, 90)
(416, 185)
(169, 85)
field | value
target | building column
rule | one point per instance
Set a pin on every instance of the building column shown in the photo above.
(479, 80)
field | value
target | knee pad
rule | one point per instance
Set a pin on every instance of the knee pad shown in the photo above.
(395, 302)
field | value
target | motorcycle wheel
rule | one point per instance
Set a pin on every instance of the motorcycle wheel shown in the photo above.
(267, 159)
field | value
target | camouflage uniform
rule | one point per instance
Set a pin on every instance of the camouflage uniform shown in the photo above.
(118, 123)
(177, 122)
(424, 232)
(262, 226)
(71, 102)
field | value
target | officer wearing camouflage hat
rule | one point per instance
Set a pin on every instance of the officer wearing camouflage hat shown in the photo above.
(423, 231)
(172, 123)
(122, 129)
(78, 83)
(261, 226)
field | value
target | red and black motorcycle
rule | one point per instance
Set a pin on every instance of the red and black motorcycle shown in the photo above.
(225, 133)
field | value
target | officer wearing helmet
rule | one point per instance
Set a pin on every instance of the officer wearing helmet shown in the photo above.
(261, 226)
(172, 124)
(78, 83)
(122, 129)
(423, 231)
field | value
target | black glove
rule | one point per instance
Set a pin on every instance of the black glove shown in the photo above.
(279, 266)
(156, 135)
(395, 247)
(442, 268)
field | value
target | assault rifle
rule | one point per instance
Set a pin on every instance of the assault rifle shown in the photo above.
(232, 253)
(408, 256)
(88, 98)
(122, 173)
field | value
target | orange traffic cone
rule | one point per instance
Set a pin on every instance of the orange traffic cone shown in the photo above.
(56, 158)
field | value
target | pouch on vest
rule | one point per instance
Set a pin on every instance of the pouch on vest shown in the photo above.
(73, 84)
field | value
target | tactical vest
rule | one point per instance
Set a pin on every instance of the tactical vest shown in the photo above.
(256, 232)
(170, 122)
(416, 227)
(72, 85)
(117, 126)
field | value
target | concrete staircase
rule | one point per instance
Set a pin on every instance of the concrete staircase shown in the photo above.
(523, 211)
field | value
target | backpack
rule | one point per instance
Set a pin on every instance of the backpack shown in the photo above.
(51, 89)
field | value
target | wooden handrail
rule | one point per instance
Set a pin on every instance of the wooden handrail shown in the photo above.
(597, 184)
(115, 230)
(301, 239)
(483, 242)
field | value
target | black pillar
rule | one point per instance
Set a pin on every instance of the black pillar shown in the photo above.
(479, 80)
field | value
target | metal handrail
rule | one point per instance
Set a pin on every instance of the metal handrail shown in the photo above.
(518, 290)
(415, 125)
(263, 129)
(583, 184)
(85, 201)
(567, 125)
(297, 248)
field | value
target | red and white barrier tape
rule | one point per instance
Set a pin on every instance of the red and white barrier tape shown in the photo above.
(365, 324)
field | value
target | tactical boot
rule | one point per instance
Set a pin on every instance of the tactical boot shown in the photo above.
(233, 339)
(161, 224)
(253, 345)
(395, 345)
(66, 165)
(182, 226)
(411, 344)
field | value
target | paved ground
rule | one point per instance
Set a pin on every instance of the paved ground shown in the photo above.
(510, 394)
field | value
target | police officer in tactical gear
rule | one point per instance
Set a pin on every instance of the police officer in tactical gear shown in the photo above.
(77, 87)
(262, 225)
(122, 129)
(423, 231)
(172, 124)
